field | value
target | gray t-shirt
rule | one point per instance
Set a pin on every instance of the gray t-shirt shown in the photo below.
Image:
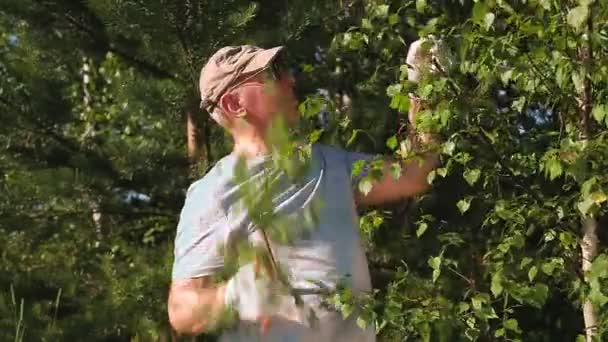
(329, 253)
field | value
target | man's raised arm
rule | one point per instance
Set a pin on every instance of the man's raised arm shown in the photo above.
(413, 178)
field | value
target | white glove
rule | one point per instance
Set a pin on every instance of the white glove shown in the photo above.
(252, 296)
(435, 59)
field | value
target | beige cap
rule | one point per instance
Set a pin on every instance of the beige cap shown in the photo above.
(230, 65)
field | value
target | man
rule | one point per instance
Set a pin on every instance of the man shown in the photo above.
(245, 88)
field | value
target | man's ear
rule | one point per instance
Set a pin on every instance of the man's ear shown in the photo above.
(230, 104)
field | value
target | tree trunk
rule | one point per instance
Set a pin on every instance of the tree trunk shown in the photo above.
(589, 244)
(589, 241)
(197, 151)
(192, 137)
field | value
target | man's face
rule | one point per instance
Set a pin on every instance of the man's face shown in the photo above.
(264, 97)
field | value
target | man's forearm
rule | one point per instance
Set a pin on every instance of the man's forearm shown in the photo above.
(194, 306)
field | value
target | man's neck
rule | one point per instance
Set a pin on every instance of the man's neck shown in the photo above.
(250, 146)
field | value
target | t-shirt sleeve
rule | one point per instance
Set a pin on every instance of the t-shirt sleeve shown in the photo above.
(356, 164)
(201, 235)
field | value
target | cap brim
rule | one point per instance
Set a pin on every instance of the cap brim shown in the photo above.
(262, 60)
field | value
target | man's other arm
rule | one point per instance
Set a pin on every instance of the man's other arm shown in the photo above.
(195, 305)
(413, 178)
(413, 181)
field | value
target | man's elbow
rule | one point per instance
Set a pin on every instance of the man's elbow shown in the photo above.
(185, 324)
(184, 320)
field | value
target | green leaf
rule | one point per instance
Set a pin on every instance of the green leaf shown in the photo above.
(562, 75)
(442, 171)
(496, 286)
(553, 169)
(598, 197)
(315, 135)
(366, 24)
(479, 11)
(346, 310)
(599, 113)
(463, 307)
(435, 262)
(539, 295)
(444, 117)
(430, 178)
(421, 229)
(499, 332)
(489, 20)
(519, 104)
(588, 186)
(393, 19)
(478, 301)
(596, 295)
(449, 147)
(532, 272)
(525, 262)
(585, 205)
(392, 143)
(464, 205)
(472, 176)
(436, 274)
(506, 76)
(594, 199)
(404, 104)
(382, 11)
(353, 136)
(393, 90)
(548, 268)
(546, 4)
(599, 267)
(568, 240)
(577, 16)
(365, 185)
(420, 5)
(361, 323)
(358, 167)
(396, 170)
(511, 324)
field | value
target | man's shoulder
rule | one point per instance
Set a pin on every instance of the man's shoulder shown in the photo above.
(214, 180)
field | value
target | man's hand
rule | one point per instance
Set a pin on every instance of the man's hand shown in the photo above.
(195, 305)
(254, 295)
(427, 55)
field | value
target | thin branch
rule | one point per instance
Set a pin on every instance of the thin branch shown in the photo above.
(539, 73)
(185, 46)
(460, 275)
(109, 46)
(66, 213)
(72, 146)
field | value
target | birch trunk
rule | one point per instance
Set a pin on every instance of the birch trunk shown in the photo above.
(589, 241)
